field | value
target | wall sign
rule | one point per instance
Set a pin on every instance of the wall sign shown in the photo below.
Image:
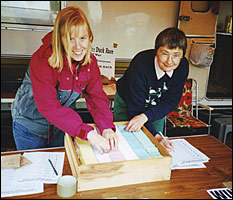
(105, 55)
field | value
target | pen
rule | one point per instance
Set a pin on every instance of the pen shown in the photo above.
(163, 136)
(53, 167)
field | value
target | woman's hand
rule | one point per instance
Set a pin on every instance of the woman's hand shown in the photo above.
(98, 141)
(136, 123)
(111, 137)
(166, 143)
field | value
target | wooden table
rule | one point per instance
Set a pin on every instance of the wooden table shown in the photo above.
(184, 184)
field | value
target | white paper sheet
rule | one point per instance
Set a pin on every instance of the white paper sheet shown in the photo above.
(123, 147)
(220, 193)
(186, 156)
(29, 179)
(41, 169)
(13, 188)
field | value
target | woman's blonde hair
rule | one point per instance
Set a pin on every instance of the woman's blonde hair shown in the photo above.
(66, 19)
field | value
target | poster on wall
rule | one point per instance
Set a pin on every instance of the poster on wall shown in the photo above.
(105, 55)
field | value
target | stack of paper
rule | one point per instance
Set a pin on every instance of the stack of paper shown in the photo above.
(186, 156)
(147, 144)
(124, 147)
(30, 178)
(134, 143)
(86, 153)
(131, 146)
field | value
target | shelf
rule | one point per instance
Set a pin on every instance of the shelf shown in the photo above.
(223, 33)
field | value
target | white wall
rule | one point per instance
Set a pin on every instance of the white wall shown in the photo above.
(133, 25)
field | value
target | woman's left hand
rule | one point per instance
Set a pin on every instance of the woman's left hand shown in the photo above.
(136, 123)
(111, 137)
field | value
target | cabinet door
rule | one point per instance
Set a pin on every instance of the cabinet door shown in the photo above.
(198, 18)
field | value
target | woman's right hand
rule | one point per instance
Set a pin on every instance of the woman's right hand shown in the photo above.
(98, 141)
(166, 143)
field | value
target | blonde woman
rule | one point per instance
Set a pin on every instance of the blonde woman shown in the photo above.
(60, 71)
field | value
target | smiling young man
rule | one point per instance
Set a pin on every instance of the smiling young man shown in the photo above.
(152, 85)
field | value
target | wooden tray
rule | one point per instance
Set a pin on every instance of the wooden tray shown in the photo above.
(114, 174)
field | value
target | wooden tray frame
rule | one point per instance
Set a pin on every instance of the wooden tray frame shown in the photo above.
(114, 174)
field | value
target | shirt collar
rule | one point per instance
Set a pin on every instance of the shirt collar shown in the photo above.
(160, 73)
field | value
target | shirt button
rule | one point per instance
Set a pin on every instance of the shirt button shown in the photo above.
(68, 78)
(88, 69)
(76, 78)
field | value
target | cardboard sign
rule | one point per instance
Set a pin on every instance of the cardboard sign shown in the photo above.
(105, 55)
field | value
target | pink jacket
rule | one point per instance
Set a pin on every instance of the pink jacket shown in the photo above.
(44, 81)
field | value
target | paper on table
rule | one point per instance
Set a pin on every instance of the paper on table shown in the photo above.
(188, 166)
(9, 189)
(41, 169)
(10, 161)
(220, 193)
(186, 156)
(29, 179)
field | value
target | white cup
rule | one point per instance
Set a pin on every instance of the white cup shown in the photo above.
(66, 186)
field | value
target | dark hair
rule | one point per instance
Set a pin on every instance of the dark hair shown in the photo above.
(173, 37)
